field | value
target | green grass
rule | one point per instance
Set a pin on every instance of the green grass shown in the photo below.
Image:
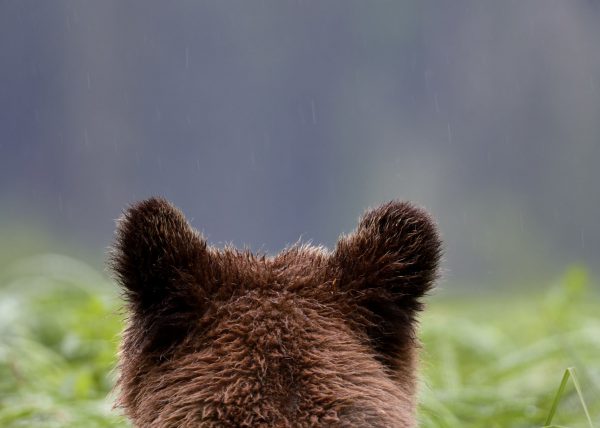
(569, 374)
(498, 362)
(487, 362)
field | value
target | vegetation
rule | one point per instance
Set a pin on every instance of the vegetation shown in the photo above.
(499, 362)
(488, 362)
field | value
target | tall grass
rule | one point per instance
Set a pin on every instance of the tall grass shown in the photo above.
(492, 362)
(58, 335)
(498, 362)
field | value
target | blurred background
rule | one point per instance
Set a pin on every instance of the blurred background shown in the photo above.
(270, 121)
(267, 121)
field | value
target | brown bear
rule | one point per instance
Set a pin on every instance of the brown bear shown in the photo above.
(305, 338)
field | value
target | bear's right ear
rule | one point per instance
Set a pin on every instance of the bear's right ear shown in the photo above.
(386, 266)
(165, 269)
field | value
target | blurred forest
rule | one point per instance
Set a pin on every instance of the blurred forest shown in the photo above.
(270, 121)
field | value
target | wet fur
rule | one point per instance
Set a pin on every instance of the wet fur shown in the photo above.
(305, 338)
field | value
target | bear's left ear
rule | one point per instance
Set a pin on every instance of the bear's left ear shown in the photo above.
(385, 267)
(166, 272)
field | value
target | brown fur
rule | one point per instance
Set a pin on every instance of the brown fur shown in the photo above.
(305, 338)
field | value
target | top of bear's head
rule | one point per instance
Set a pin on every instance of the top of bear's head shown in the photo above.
(305, 338)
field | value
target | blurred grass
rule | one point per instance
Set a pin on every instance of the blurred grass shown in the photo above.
(493, 361)
(498, 362)
(58, 336)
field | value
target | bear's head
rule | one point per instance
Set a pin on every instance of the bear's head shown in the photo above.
(305, 338)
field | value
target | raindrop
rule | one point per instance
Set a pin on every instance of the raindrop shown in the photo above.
(314, 111)
(449, 133)
(187, 57)
(521, 224)
(427, 75)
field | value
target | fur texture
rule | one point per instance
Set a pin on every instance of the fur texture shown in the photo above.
(305, 338)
